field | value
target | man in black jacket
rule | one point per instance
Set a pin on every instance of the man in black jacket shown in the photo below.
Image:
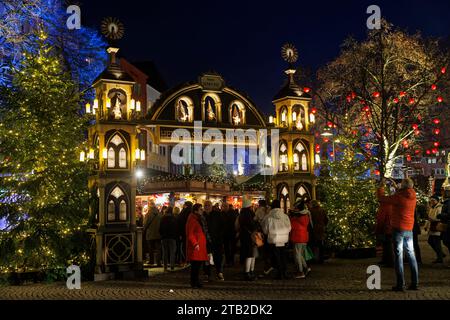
(215, 222)
(168, 232)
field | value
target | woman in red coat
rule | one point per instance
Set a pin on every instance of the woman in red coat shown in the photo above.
(196, 244)
(299, 236)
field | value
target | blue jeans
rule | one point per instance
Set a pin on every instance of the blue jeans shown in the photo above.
(404, 239)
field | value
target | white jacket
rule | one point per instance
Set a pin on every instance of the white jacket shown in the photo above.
(277, 227)
(433, 212)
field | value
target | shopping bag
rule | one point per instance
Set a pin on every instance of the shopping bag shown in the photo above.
(309, 254)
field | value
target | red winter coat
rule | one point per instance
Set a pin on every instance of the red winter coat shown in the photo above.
(194, 236)
(403, 207)
(299, 229)
(384, 215)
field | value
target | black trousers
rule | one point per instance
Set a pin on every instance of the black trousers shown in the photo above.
(217, 252)
(388, 251)
(280, 259)
(230, 249)
(417, 247)
(195, 272)
(435, 243)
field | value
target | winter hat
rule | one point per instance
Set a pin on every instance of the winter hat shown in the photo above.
(246, 202)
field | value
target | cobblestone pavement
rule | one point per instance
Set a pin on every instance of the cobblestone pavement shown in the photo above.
(337, 279)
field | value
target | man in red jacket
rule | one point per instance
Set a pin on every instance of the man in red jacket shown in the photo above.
(402, 221)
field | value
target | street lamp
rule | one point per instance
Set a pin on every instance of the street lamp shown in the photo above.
(327, 133)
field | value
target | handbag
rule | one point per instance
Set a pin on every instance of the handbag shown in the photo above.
(441, 227)
(309, 254)
(257, 238)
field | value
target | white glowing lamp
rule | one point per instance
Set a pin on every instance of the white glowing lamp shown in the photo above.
(294, 116)
(143, 155)
(138, 106)
(105, 153)
(312, 118)
(132, 104)
(271, 119)
(137, 154)
(317, 159)
(82, 156)
(108, 103)
(88, 108)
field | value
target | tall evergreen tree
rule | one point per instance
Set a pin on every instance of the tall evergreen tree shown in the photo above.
(348, 195)
(43, 191)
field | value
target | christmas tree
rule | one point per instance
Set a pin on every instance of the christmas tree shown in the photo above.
(348, 195)
(43, 191)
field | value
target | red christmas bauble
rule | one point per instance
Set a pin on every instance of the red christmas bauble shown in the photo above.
(436, 121)
(396, 100)
(415, 126)
(440, 99)
(376, 94)
(411, 101)
(314, 110)
(437, 131)
(428, 152)
(306, 89)
(402, 93)
(433, 87)
(436, 144)
(443, 70)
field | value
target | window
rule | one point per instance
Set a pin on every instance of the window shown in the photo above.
(111, 158)
(237, 113)
(117, 205)
(184, 110)
(439, 172)
(162, 151)
(298, 117)
(283, 157)
(122, 158)
(283, 116)
(300, 157)
(117, 153)
(150, 146)
(210, 111)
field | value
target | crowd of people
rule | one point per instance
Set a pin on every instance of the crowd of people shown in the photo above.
(207, 237)
(398, 227)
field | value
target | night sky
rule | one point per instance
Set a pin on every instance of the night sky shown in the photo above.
(242, 39)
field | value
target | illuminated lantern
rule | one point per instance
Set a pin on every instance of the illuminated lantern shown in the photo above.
(415, 126)
(434, 151)
(332, 154)
(317, 148)
(353, 95)
(440, 99)
(330, 124)
(306, 89)
(326, 140)
(408, 158)
(433, 87)
(349, 98)
(366, 109)
(405, 144)
(443, 70)
(314, 110)
(417, 151)
(436, 144)
(416, 132)
(377, 172)
(437, 131)
(436, 121)
(411, 101)
(396, 100)
(376, 94)
(428, 152)
(402, 94)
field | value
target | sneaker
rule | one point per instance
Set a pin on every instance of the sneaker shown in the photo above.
(308, 271)
(266, 272)
(300, 275)
(220, 276)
